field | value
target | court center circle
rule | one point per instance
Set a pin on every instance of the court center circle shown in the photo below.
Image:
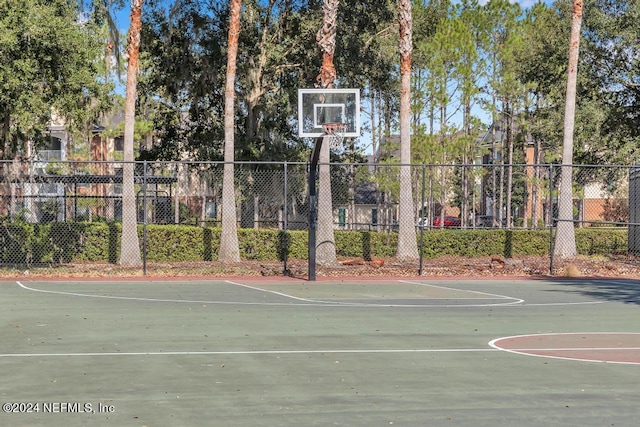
(604, 347)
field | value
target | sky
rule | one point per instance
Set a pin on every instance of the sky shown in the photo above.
(122, 18)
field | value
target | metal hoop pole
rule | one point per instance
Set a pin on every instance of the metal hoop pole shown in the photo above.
(313, 217)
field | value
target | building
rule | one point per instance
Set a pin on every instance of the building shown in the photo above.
(78, 178)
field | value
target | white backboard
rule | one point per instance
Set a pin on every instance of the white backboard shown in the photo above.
(319, 106)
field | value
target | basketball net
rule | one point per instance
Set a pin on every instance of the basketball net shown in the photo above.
(335, 133)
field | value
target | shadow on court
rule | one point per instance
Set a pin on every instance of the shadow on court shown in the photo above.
(622, 290)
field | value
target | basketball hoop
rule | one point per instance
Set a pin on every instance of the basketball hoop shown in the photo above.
(335, 133)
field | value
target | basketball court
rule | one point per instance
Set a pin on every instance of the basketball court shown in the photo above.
(287, 352)
(291, 352)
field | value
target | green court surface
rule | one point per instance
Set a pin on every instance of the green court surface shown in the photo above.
(415, 352)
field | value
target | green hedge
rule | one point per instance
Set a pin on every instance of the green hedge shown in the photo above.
(470, 243)
(598, 241)
(100, 242)
(16, 242)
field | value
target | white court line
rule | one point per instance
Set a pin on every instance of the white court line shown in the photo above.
(329, 352)
(362, 304)
(529, 351)
(75, 294)
(548, 334)
(307, 302)
(252, 352)
(255, 288)
(514, 302)
(568, 349)
(572, 359)
(544, 304)
(310, 302)
(334, 302)
(331, 303)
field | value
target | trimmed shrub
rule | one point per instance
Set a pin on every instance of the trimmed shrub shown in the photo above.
(174, 242)
(260, 244)
(298, 242)
(22, 243)
(15, 242)
(601, 241)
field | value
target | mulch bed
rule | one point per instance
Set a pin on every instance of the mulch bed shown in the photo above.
(447, 266)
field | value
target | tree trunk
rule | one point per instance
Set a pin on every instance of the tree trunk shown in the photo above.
(466, 156)
(500, 217)
(407, 242)
(510, 138)
(537, 179)
(494, 179)
(443, 160)
(229, 246)
(565, 242)
(326, 247)
(255, 75)
(130, 245)
(5, 123)
(326, 37)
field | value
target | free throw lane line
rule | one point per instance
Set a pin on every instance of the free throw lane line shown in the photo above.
(304, 302)
(513, 301)
(76, 294)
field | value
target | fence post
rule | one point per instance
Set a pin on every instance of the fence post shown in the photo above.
(285, 243)
(550, 217)
(312, 222)
(633, 233)
(421, 222)
(176, 196)
(144, 217)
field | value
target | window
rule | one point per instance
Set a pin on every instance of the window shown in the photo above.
(47, 210)
(211, 210)
(55, 144)
(50, 150)
(374, 216)
(118, 143)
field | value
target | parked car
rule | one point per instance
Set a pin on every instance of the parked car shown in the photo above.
(449, 221)
(422, 222)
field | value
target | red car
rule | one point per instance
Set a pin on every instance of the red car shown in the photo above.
(449, 221)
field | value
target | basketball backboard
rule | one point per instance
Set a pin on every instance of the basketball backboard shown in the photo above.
(319, 106)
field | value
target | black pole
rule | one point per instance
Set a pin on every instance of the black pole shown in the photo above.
(285, 208)
(550, 218)
(422, 221)
(144, 218)
(313, 224)
(64, 209)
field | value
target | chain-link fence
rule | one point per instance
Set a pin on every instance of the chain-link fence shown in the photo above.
(60, 212)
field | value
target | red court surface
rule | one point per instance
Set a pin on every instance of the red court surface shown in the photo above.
(613, 347)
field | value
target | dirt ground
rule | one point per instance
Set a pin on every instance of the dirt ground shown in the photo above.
(495, 266)
(449, 266)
